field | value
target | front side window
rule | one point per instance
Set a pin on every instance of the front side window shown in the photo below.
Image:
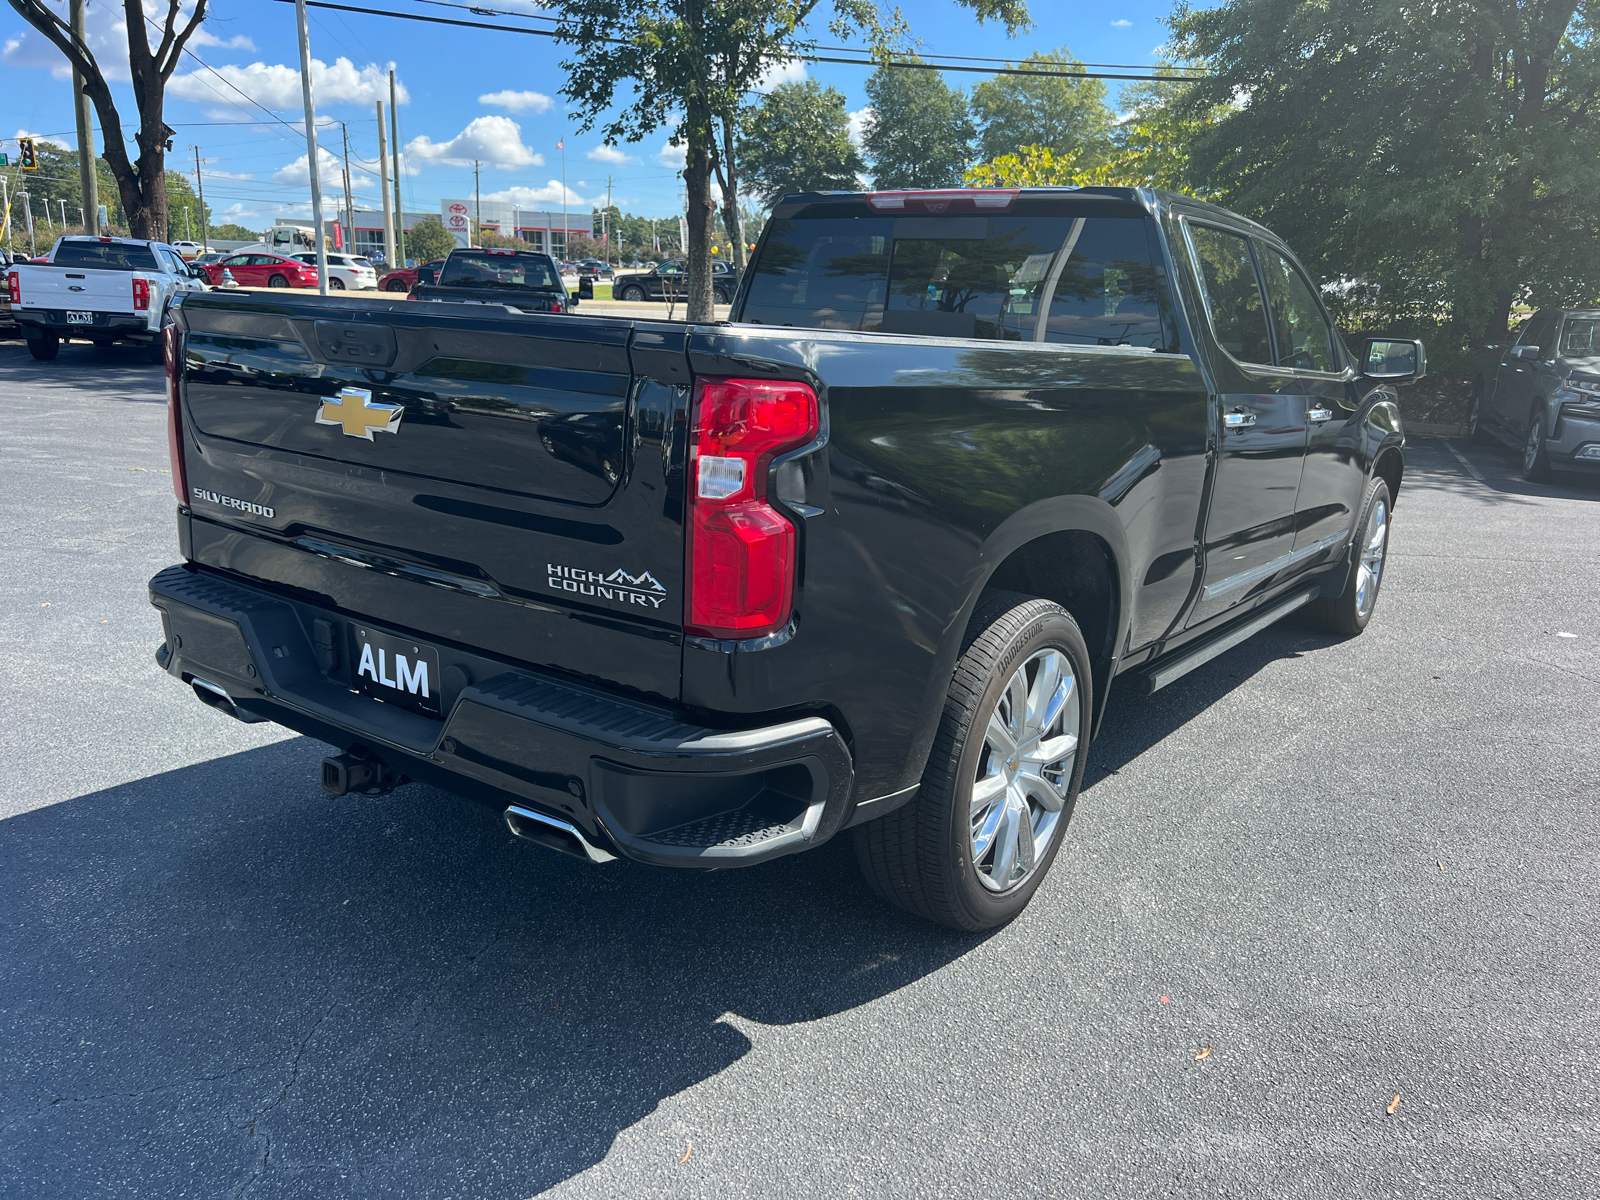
(1233, 296)
(1086, 281)
(1304, 340)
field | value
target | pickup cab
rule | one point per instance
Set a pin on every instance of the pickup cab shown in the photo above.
(524, 279)
(100, 289)
(869, 557)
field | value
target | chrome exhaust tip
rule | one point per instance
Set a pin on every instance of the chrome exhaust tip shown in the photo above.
(214, 697)
(553, 834)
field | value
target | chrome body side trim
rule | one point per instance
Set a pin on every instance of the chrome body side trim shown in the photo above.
(1268, 569)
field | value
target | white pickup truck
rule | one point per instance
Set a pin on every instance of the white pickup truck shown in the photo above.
(99, 289)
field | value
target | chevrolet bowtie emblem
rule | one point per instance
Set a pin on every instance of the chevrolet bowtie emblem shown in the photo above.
(358, 416)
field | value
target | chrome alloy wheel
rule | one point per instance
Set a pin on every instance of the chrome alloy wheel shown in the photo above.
(1374, 545)
(1025, 770)
(1535, 443)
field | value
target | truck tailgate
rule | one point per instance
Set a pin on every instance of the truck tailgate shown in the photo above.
(44, 286)
(467, 476)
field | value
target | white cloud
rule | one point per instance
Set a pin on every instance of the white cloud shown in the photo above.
(52, 141)
(213, 173)
(527, 197)
(1122, 23)
(278, 86)
(203, 38)
(858, 124)
(789, 71)
(518, 101)
(672, 156)
(330, 169)
(495, 141)
(612, 155)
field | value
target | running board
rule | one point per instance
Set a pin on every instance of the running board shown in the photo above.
(1154, 678)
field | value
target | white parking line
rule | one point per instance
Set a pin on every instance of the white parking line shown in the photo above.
(1462, 459)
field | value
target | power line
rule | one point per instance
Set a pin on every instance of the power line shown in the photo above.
(1146, 76)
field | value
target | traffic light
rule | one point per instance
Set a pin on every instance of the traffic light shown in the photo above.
(30, 160)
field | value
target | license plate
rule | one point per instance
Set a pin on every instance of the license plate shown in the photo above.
(80, 318)
(397, 670)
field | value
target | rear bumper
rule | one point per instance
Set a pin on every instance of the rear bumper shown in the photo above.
(36, 322)
(634, 777)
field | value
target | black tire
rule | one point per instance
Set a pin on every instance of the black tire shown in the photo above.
(335, 283)
(721, 297)
(634, 294)
(277, 281)
(1475, 430)
(1535, 454)
(396, 285)
(45, 348)
(1343, 614)
(920, 857)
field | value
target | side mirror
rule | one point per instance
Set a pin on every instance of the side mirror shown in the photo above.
(1394, 361)
(1525, 352)
(586, 287)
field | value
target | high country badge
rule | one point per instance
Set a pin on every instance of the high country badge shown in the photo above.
(619, 586)
(358, 416)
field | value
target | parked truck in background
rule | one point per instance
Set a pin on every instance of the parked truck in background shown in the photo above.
(869, 557)
(99, 289)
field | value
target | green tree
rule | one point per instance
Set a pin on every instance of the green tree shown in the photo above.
(428, 239)
(233, 233)
(798, 140)
(688, 65)
(1030, 110)
(919, 133)
(1449, 153)
(142, 186)
(56, 180)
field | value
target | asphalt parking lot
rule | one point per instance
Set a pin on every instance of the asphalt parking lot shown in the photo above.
(1305, 879)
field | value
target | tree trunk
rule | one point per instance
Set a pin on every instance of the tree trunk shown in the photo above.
(702, 215)
(1498, 322)
(728, 177)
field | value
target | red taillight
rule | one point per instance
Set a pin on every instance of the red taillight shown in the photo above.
(14, 283)
(141, 294)
(170, 352)
(938, 200)
(555, 306)
(742, 550)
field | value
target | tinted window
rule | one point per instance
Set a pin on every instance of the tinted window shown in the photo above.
(105, 256)
(1304, 339)
(499, 270)
(1538, 332)
(1075, 281)
(1233, 297)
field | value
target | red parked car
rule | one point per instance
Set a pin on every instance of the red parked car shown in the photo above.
(258, 269)
(403, 279)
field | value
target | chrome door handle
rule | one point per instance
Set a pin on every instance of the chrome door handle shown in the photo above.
(1238, 419)
(1319, 414)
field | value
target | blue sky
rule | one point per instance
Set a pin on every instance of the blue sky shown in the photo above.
(465, 94)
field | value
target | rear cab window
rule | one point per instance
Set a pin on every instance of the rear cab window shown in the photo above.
(510, 269)
(105, 256)
(1056, 271)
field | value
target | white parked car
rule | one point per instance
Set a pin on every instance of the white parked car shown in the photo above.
(189, 250)
(345, 271)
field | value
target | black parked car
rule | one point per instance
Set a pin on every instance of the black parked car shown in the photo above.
(1542, 394)
(666, 281)
(869, 556)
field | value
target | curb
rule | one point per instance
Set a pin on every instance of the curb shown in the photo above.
(1424, 429)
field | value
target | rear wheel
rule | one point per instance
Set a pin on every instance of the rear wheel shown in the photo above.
(972, 848)
(45, 348)
(277, 281)
(1348, 613)
(336, 283)
(1535, 455)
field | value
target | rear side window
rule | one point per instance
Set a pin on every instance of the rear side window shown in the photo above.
(1086, 281)
(1304, 340)
(499, 270)
(1233, 295)
(105, 256)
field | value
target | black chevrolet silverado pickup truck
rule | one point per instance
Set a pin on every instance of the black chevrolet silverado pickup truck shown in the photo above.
(522, 279)
(870, 556)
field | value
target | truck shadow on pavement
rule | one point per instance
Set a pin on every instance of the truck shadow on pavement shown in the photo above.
(218, 978)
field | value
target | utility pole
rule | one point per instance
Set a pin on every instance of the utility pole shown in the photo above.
(477, 199)
(566, 230)
(349, 202)
(63, 216)
(87, 183)
(313, 153)
(394, 149)
(383, 183)
(188, 227)
(27, 209)
(605, 219)
(200, 187)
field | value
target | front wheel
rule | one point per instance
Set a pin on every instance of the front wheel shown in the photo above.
(633, 294)
(45, 348)
(1475, 430)
(1001, 781)
(1535, 454)
(1347, 614)
(396, 285)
